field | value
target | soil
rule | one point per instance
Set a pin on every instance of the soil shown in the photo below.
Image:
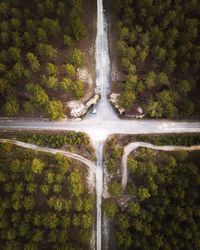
(116, 74)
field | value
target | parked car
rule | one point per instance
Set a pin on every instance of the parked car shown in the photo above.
(93, 112)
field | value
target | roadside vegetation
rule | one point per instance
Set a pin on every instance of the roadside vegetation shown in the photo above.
(162, 192)
(179, 139)
(44, 201)
(162, 210)
(159, 54)
(39, 57)
(69, 140)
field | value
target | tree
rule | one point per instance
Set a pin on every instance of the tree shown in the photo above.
(55, 110)
(184, 87)
(46, 51)
(39, 97)
(51, 69)
(4, 37)
(14, 54)
(33, 62)
(37, 236)
(3, 85)
(155, 109)
(41, 35)
(127, 99)
(165, 98)
(115, 189)
(134, 208)
(11, 107)
(37, 166)
(87, 221)
(31, 188)
(50, 26)
(51, 82)
(66, 83)
(124, 239)
(77, 58)
(67, 40)
(50, 177)
(77, 89)
(110, 208)
(15, 24)
(44, 189)
(70, 70)
(151, 79)
(163, 78)
(76, 186)
(18, 70)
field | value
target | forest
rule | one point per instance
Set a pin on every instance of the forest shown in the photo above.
(39, 57)
(44, 201)
(159, 54)
(160, 209)
(76, 142)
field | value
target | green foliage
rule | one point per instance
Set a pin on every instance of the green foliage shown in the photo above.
(11, 107)
(46, 51)
(33, 62)
(159, 188)
(70, 70)
(37, 166)
(115, 189)
(51, 69)
(33, 39)
(159, 44)
(127, 99)
(35, 207)
(39, 97)
(55, 110)
(77, 58)
(109, 207)
(76, 186)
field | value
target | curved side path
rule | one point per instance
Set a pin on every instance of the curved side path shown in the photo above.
(90, 165)
(134, 145)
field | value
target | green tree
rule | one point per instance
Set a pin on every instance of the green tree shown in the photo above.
(127, 99)
(37, 166)
(67, 40)
(46, 51)
(115, 189)
(109, 207)
(39, 97)
(11, 107)
(155, 109)
(51, 69)
(33, 62)
(55, 110)
(77, 89)
(77, 58)
(70, 70)
(151, 80)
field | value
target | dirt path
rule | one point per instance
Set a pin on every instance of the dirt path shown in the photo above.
(134, 145)
(90, 165)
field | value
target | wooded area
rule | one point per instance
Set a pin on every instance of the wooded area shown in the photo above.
(159, 53)
(163, 210)
(38, 58)
(160, 209)
(44, 201)
(161, 199)
(77, 142)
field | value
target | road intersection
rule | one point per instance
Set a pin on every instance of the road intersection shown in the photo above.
(105, 122)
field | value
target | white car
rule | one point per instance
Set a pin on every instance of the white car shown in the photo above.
(94, 111)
